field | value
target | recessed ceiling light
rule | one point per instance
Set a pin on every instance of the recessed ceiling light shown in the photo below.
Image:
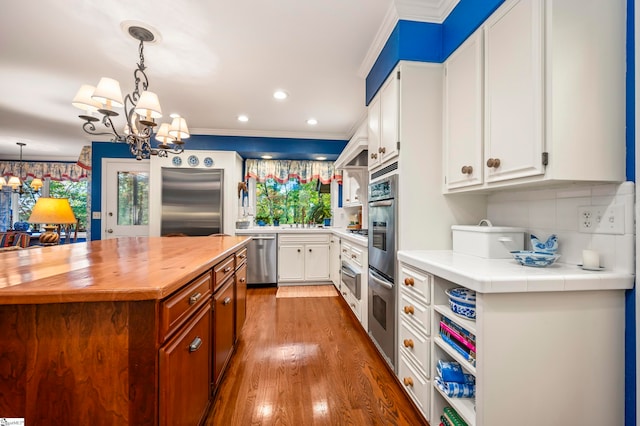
(266, 157)
(243, 118)
(321, 158)
(174, 115)
(312, 121)
(280, 95)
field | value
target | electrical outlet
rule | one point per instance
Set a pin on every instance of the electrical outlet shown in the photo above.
(601, 219)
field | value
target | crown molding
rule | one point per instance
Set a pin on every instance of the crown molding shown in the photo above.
(435, 11)
(388, 24)
(268, 134)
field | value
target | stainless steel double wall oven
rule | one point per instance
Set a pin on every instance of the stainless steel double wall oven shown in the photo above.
(382, 266)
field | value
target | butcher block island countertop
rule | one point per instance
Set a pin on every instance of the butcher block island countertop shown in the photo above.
(129, 331)
(124, 269)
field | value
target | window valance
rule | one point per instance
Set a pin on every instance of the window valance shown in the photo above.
(285, 170)
(42, 170)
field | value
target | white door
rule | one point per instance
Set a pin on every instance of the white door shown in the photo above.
(125, 198)
(291, 262)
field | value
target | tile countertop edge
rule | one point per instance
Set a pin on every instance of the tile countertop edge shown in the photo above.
(506, 276)
(342, 233)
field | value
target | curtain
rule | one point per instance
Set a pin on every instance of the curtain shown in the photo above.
(54, 171)
(285, 170)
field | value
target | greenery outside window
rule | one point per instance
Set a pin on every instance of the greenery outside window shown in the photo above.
(76, 192)
(291, 202)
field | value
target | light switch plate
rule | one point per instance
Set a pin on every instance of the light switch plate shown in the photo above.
(601, 219)
(96, 215)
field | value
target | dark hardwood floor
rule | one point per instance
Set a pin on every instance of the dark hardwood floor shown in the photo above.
(306, 361)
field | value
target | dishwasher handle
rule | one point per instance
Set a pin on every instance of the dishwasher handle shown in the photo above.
(263, 238)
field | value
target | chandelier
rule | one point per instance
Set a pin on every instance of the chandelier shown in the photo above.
(14, 181)
(141, 108)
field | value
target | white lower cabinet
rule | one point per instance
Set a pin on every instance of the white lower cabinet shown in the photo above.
(303, 258)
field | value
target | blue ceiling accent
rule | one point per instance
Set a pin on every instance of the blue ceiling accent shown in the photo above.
(427, 42)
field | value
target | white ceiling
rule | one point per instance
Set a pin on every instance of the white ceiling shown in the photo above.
(216, 59)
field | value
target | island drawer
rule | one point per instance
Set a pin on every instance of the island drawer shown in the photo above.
(222, 271)
(177, 308)
(241, 257)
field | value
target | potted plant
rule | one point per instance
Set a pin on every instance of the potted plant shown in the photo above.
(320, 213)
(262, 219)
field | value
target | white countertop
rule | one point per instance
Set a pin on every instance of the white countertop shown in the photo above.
(508, 276)
(286, 229)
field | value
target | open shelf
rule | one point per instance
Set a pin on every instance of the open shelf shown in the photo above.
(454, 354)
(445, 310)
(463, 406)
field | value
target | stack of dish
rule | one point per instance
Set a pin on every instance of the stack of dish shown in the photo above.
(462, 302)
(543, 253)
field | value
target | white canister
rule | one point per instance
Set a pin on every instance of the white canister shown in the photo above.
(490, 242)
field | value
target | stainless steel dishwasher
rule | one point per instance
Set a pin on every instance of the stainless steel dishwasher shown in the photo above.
(262, 259)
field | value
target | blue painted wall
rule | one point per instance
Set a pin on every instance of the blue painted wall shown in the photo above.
(247, 147)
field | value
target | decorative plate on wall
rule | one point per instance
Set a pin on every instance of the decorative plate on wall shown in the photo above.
(193, 160)
(177, 161)
(208, 162)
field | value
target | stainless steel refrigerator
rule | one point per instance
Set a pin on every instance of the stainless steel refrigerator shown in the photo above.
(192, 201)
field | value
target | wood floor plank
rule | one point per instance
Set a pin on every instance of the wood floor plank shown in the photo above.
(306, 361)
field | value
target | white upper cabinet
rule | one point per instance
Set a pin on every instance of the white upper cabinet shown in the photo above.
(553, 97)
(384, 112)
(513, 80)
(463, 114)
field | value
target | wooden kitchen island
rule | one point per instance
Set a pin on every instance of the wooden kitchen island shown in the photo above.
(130, 331)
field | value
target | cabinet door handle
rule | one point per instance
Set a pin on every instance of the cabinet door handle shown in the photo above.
(352, 305)
(493, 163)
(226, 301)
(309, 250)
(353, 256)
(408, 343)
(242, 256)
(408, 381)
(298, 250)
(227, 269)
(195, 345)
(242, 280)
(467, 170)
(194, 298)
(408, 310)
(408, 281)
(344, 293)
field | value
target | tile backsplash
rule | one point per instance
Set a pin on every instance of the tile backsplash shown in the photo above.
(555, 211)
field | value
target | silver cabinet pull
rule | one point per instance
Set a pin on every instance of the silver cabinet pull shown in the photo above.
(226, 301)
(227, 269)
(195, 345)
(194, 298)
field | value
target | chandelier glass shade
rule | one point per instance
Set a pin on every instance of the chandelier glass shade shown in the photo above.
(141, 109)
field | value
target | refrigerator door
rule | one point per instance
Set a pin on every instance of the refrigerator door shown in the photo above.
(192, 201)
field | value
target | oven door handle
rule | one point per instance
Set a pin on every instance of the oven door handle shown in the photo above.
(347, 271)
(381, 203)
(379, 281)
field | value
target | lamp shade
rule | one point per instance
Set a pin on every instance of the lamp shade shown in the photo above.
(179, 129)
(36, 184)
(14, 182)
(52, 210)
(84, 101)
(148, 105)
(163, 134)
(108, 89)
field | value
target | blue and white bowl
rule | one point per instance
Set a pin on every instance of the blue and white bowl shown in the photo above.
(462, 302)
(548, 246)
(537, 259)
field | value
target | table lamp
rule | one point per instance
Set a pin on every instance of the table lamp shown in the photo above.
(51, 212)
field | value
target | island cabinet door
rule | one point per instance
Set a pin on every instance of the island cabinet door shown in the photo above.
(185, 371)
(241, 298)
(223, 329)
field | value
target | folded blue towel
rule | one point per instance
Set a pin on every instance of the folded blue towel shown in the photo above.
(450, 371)
(456, 390)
